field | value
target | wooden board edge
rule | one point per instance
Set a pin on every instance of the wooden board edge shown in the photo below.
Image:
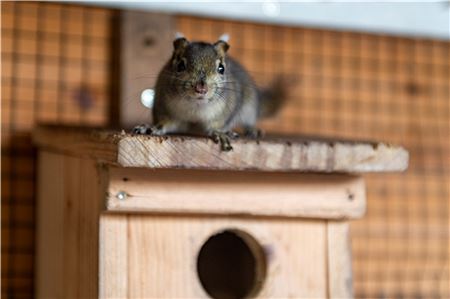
(80, 142)
(49, 260)
(263, 194)
(263, 155)
(340, 276)
(113, 256)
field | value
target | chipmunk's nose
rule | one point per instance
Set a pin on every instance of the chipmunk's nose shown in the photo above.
(201, 87)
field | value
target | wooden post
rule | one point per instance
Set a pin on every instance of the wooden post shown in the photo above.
(146, 44)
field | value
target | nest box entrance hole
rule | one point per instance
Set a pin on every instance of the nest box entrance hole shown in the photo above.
(231, 265)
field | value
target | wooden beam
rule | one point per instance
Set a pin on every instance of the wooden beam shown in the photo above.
(235, 193)
(146, 44)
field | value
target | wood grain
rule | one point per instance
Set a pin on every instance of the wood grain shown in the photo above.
(339, 260)
(236, 193)
(162, 252)
(69, 200)
(91, 203)
(78, 141)
(50, 233)
(275, 154)
(265, 155)
(113, 251)
(71, 226)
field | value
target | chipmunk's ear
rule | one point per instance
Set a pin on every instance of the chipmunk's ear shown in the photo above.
(222, 44)
(180, 42)
(221, 47)
(224, 37)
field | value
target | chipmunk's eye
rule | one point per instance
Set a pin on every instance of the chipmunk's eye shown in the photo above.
(181, 66)
(221, 69)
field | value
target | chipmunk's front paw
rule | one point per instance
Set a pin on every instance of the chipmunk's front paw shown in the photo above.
(223, 138)
(253, 133)
(232, 135)
(146, 129)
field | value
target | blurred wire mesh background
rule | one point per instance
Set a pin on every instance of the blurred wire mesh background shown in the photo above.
(56, 65)
(55, 68)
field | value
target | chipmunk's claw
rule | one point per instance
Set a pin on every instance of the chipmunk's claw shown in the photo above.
(226, 146)
(224, 139)
(232, 135)
(215, 138)
(146, 129)
(142, 129)
(253, 133)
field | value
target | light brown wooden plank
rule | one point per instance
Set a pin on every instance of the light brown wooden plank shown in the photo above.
(113, 272)
(195, 191)
(78, 141)
(339, 260)
(91, 191)
(71, 226)
(70, 196)
(50, 230)
(281, 155)
(270, 154)
(162, 254)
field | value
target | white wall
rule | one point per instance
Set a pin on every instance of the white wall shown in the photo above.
(412, 18)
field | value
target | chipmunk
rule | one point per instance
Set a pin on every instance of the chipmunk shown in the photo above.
(203, 90)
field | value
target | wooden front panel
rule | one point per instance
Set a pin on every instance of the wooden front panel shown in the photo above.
(150, 256)
(69, 200)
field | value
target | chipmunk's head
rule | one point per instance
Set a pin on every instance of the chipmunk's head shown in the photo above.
(199, 69)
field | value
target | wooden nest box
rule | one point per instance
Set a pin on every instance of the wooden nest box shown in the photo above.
(122, 216)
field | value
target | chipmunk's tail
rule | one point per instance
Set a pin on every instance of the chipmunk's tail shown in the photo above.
(271, 99)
